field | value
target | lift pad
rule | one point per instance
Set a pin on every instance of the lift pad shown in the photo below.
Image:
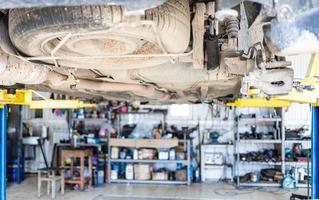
(25, 97)
(306, 92)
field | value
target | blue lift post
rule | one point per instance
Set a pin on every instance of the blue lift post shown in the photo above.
(3, 152)
(315, 153)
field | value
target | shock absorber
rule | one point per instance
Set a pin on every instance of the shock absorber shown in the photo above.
(229, 19)
(232, 26)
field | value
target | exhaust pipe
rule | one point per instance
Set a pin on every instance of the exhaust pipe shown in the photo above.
(140, 90)
(14, 70)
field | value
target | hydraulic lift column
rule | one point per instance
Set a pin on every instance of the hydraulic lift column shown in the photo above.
(3, 152)
(315, 153)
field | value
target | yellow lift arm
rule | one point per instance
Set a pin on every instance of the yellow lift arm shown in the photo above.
(25, 97)
(309, 95)
(259, 102)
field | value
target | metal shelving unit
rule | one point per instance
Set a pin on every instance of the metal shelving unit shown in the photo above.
(186, 163)
(297, 163)
(278, 121)
(302, 185)
(297, 141)
(261, 163)
(281, 143)
(259, 121)
(186, 144)
(261, 141)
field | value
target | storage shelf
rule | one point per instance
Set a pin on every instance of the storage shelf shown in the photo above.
(298, 163)
(260, 141)
(279, 123)
(79, 145)
(275, 123)
(260, 163)
(149, 181)
(149, 161)
(150, 143)
(265, 121)
(217, 166)
(303, 185)
(297, 141)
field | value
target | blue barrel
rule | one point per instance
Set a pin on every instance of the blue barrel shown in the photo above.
(15, 170)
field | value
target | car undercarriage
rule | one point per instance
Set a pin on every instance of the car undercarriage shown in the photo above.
(170, 51)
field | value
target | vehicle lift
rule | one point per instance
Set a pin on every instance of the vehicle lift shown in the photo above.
(305, 91)
(35, 101)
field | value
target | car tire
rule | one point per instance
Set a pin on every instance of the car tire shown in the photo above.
(37, 31)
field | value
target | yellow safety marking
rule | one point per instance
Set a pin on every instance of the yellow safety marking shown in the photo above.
(25, 97)
(259, 102)
(62, 104)
(312, 75)
(302, 97)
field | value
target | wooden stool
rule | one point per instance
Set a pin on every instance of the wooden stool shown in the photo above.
(50, 176)
(81, 154)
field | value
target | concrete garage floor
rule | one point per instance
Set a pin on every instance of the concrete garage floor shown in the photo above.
(27, 191)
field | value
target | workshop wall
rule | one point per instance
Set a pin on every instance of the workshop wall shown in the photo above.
(55, 123)
(299, 114)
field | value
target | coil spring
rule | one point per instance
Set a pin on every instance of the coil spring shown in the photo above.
(232, 26)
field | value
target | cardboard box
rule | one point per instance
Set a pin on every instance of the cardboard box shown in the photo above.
(159, 176)
(181, 175)
(146, 154)
(142, 172)
(163, 155)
